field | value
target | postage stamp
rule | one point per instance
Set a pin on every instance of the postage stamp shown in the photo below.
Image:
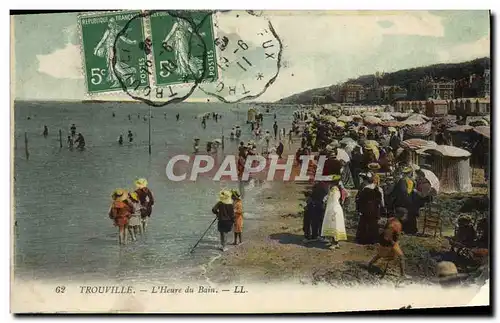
(98, 37)
(183, 47)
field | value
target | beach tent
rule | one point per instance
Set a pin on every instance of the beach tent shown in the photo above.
(412, 146)
(452, 166)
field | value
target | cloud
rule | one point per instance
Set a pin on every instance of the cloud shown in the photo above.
(466, 51)
(63, 63)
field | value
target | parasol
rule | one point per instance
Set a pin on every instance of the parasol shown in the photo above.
(345, 118)
(483, 130)
(372, 120)
(432, 178)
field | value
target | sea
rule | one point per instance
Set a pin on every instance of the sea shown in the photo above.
(62, 196)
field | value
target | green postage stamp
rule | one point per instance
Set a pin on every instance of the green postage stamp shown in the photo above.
(100, 44)
(120, 51)
(183, 47)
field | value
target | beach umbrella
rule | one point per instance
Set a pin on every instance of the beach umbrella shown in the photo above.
(345, 118)
(416, 144)
(460, 128)
(385, 116)
(394, 124)
(483, 130)
(372, 120)
(347, 141)
(400, 115)
(432, 178)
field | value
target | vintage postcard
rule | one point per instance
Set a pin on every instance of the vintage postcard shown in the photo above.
(221, 161)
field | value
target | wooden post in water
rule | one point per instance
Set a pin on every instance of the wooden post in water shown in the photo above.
(222, 139)
(26, 145)
(149, 130)
(60, 138)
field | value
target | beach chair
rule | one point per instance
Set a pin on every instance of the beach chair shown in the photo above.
(432, 220)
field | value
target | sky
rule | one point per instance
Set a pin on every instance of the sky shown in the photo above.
(320, 48)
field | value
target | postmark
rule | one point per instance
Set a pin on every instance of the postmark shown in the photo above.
(99, 34)
(176, 55)
(249, 59)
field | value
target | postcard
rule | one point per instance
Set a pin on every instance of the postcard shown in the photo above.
(222, 161)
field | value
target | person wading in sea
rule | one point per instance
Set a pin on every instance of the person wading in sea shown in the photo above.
(120, 213)
(146, 199)
(224, 211)
(134, 224)
(80, 141)
(70, 143)
(73, 130)
(45, 131)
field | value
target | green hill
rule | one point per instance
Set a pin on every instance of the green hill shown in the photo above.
(402, 78)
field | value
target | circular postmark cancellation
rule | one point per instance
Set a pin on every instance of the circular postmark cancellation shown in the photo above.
(249, 53)
(176, 60)
(185, 50)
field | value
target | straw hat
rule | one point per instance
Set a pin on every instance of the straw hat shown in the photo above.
(336, 177)
(225, 197)
(235, 194)
(407, 169)
(141, 182)
(119, 195)
(134, 196)
(447, 271)
(374, 166)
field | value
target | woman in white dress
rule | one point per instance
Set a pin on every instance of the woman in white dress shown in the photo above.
(333, 228)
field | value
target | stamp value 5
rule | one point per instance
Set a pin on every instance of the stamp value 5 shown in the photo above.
(103, 60)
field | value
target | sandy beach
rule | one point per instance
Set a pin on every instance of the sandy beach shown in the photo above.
(274, 250)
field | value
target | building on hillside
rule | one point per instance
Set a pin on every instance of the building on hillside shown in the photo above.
(352, 92)
(441, 89)
(485, 93)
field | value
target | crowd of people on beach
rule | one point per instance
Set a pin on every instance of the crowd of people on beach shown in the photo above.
(357, 158)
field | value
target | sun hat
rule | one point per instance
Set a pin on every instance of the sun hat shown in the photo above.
(225, 197)
(374, 166)
(336, 177)
(134, 196)
(392, 129)
(119, 195)
(407, 169)
(141, 182)
(235, 194)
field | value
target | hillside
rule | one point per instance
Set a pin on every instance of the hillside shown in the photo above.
(402, 78)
